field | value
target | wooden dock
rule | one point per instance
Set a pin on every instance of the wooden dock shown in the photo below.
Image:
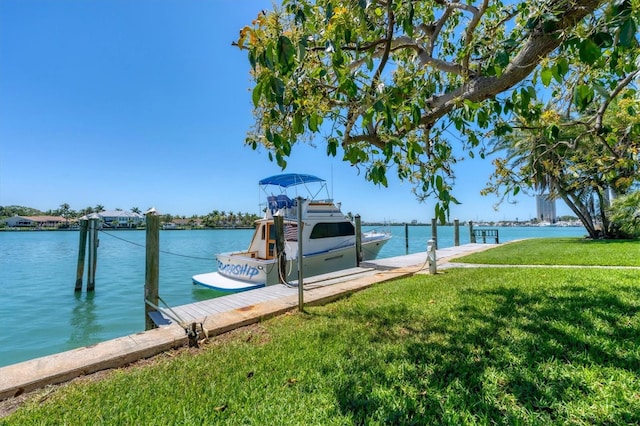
(200, 312)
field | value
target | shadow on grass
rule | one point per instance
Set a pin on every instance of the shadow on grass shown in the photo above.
(498, 355)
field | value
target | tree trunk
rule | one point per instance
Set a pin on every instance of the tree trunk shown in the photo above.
(583, 214)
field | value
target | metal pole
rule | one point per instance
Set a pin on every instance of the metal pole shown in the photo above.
(359, 256)
(278, 222)
(152, 267)
(300, 260)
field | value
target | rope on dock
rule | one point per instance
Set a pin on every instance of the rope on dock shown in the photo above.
(161, 251)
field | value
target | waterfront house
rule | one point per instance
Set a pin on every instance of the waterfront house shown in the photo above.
(117, 219)
(38, 222)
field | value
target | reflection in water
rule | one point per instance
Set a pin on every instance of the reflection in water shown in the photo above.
(84, 328)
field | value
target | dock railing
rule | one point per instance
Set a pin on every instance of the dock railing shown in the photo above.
(483, 234)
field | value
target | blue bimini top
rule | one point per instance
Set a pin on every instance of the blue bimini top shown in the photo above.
(290, 179)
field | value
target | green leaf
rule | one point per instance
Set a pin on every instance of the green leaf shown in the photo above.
(256, 94)
(546, 74)
(602, 39)
(286, 54)
(298, 126)
(337, 59)
(589, 51)
(583, 96)
(627, 33)
(416, 114)
(281, 161)
(313, 122)
(439, 183)
(252, 59)
(277, 86)
(332, 147)
(502, 59)
(560, 69)
(440, 213)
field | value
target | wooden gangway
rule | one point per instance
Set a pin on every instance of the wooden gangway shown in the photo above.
(199, 311)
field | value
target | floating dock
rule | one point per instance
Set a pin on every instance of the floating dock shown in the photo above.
(216, 316)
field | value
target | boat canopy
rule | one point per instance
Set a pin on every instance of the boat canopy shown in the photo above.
(290, 179)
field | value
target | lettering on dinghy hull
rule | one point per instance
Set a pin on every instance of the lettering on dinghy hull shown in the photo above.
(328, 239)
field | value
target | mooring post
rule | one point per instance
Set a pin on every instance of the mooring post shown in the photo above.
(281, 260)
(152, 267)
(431, 257)
(300, 260)
(472, 236)
(434, 232)
(359, 256)
(93, 254)
(82, 248)
(456, 232)
(406, 238)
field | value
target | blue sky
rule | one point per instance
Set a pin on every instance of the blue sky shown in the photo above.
(146, 103)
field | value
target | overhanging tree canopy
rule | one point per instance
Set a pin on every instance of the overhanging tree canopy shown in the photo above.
(385, 82)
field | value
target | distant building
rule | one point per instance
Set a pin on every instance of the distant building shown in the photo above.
(35, 221)
(546, 208)
(117, 219)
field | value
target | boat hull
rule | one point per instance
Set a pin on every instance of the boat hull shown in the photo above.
(238, 272)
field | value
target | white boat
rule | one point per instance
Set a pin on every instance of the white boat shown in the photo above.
(328, 239)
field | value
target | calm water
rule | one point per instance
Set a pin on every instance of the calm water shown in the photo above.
(42, 315)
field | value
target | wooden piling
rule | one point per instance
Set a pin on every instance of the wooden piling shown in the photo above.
(93, 254)
(406, 238)
(359, 255)
(152, 267)
(456, 232)
(472, 235)
(434, 231)
(82, 248)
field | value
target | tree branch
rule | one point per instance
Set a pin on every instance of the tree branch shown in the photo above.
(468, 36)
(621, 85)
(539, 44)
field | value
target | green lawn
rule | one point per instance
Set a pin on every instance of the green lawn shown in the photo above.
(561, 251)
(468, 346)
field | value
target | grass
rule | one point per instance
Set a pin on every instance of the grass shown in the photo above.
(561, 251)
(468, 346)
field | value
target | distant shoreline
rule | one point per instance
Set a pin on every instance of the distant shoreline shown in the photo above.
(226, 228)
